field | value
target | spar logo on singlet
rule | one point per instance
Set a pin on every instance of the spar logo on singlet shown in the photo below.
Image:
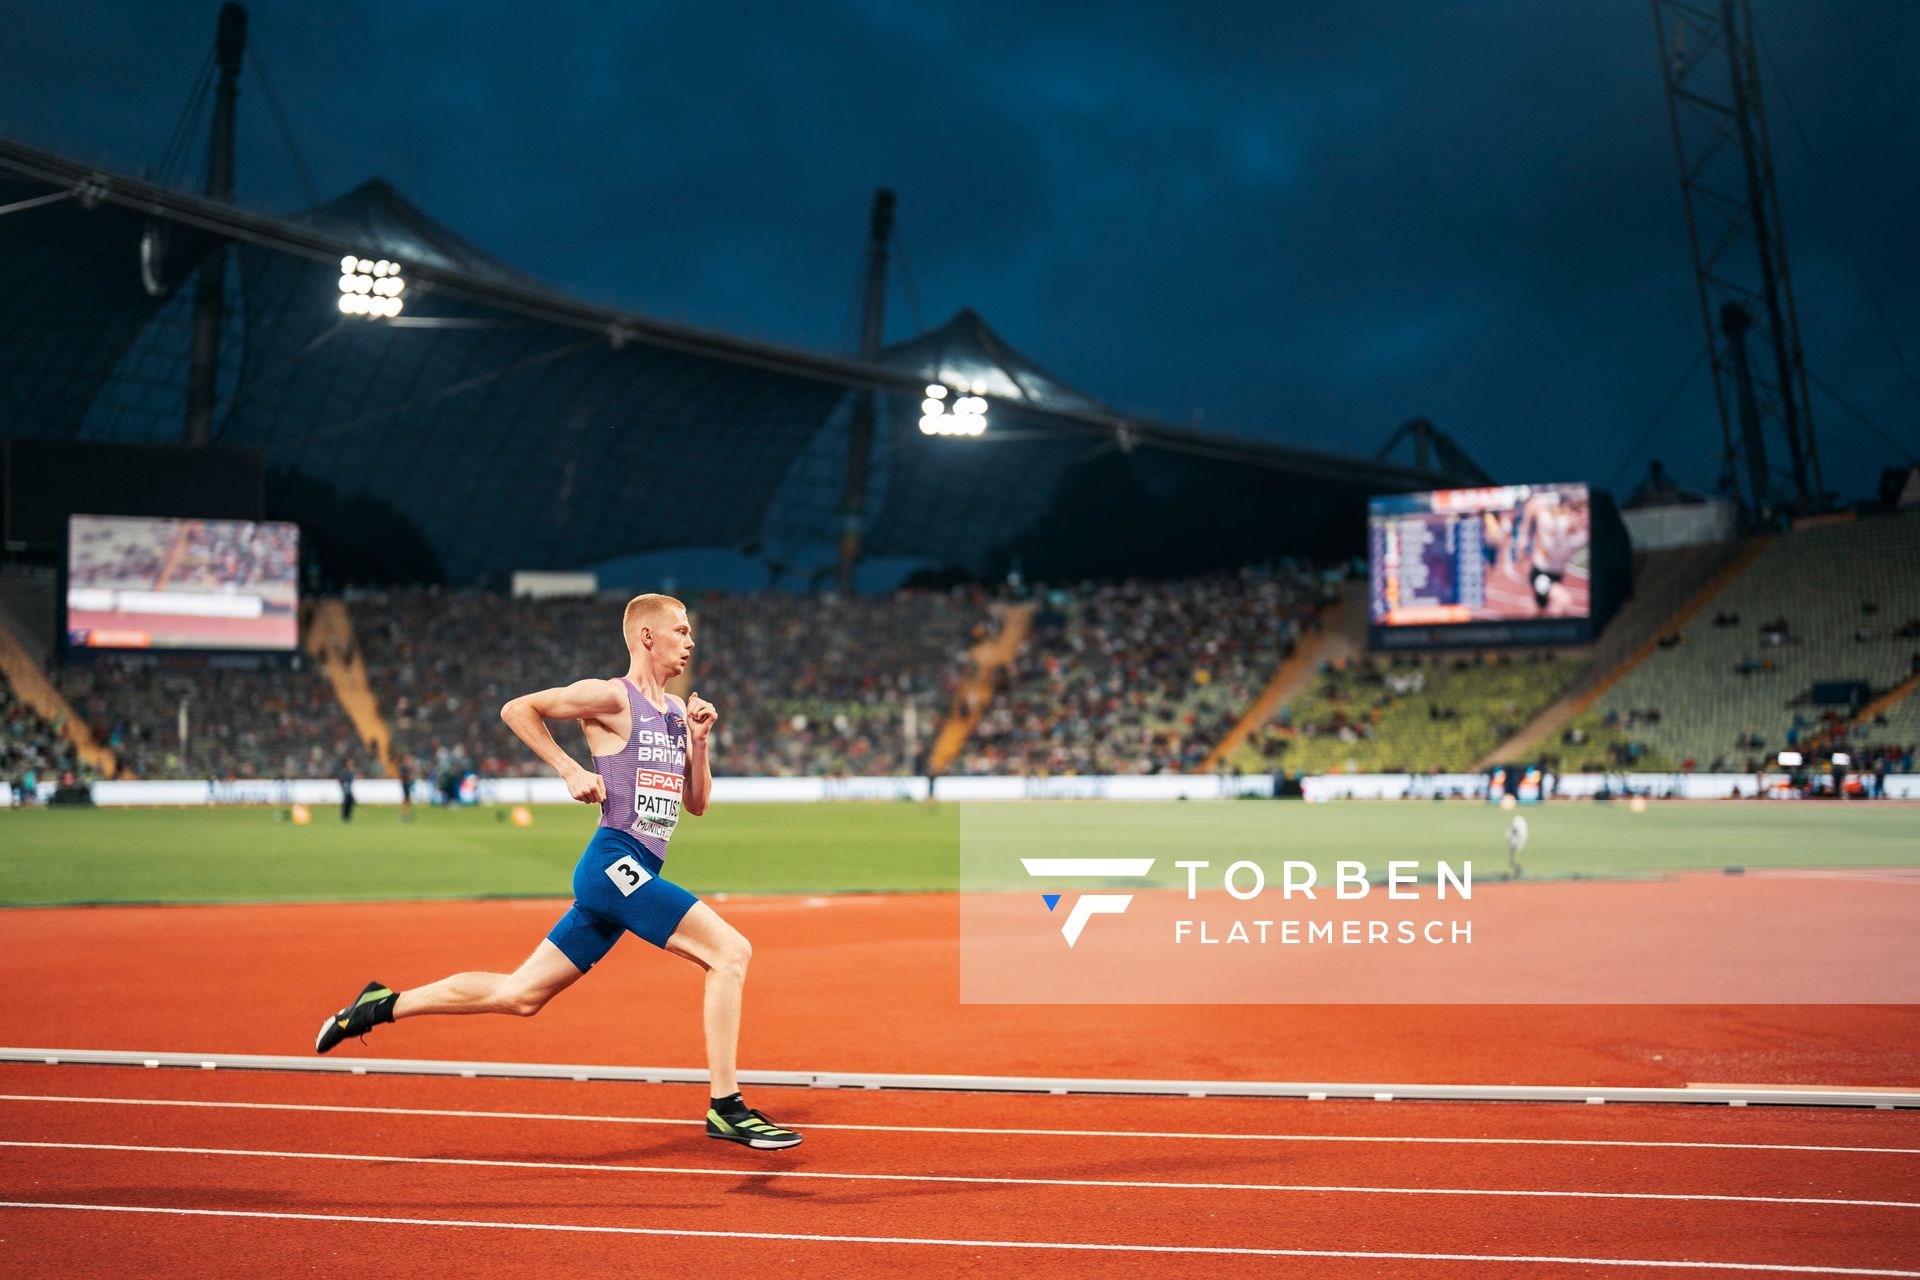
(656, 802)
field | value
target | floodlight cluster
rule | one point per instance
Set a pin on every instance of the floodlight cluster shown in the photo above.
(370, 288)
(966, 415)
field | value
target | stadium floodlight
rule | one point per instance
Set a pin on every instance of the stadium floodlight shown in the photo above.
(370, 287)
(953, 411)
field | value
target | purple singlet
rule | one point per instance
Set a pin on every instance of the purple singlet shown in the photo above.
(646, 777)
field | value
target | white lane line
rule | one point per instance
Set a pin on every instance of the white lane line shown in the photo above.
(1084, 1246)
(910, 1128)
(569, 1166)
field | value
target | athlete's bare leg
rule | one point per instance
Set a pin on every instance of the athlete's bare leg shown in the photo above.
(716, 946)
(525, 991)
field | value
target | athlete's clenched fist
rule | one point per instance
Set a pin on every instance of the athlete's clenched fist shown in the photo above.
(587, 788)
(700, 717)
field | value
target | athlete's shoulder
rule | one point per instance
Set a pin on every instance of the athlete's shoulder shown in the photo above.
(601, 696)
(677, 703)
(577, 700)
(615, 685)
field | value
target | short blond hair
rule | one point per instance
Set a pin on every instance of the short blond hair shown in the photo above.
(643, 609)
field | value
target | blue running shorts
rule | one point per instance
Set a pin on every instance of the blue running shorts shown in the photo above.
(617, 889)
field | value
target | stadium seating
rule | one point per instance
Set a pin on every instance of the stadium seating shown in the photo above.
(1886, 736)
(822, 685)
(33, 747)
(29, 605)
(1113, 678)
(241, 722)
(1665, 582)
(1595, 741)
(1407, 715)
(804, 684)
(1140, 677)
(1733, 686)
(1899, 727)
(443, 662)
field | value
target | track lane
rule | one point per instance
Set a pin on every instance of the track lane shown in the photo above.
(50, 1245)
(119, 1243)
(902, 957)
(1816, 1235)
(1073, 1118)
(999, 1158)
(1804, 1235)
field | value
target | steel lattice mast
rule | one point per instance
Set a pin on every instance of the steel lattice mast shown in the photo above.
(1707, 56)
(873, 314)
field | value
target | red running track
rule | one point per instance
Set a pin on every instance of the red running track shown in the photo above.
(870, 984)
(864, 984)
(1326, 1188)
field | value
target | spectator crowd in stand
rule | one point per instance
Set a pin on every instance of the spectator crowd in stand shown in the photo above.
(804, 684)
(1407, 713)
(1140, 677)
(195, 555)
(242, 721)
(1128, 677)
(442, 663)
(34, 750)
(222, 554)
(826, 685)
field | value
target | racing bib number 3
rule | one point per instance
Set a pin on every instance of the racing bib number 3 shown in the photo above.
(627, 875)
(656, 802)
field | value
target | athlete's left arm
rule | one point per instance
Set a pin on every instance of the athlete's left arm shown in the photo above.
(700, 717)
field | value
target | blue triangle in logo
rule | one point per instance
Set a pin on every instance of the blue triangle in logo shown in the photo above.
(1051, 899)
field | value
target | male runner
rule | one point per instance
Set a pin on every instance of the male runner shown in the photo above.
(649, 752)
(1555, 539)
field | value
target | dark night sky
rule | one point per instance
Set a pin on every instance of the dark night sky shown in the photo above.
(1300, 221)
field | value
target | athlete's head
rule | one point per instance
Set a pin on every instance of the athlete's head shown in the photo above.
(656, 627)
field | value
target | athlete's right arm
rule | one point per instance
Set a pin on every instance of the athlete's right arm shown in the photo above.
(528, 714)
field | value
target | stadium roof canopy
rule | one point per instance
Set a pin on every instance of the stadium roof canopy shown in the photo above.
(965, 352)
(511, 426)
(392, 226)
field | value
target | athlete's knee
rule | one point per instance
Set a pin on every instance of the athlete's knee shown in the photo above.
(733, 956)
(524, 1002)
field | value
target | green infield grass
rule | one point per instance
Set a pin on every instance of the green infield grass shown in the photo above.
(216, 855)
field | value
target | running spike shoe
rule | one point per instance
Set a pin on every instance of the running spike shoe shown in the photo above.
(750, 1129)
(359, 1017)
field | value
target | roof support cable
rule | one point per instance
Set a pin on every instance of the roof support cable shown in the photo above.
(187, 127)
(1863, 419)
(454, 388)
(1659, 416)
(280, 118)
(1833, 207)
(906, 286)
(242, 392)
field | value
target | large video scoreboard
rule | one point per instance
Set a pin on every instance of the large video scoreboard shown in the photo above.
(142, 582)
(1508, 564)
